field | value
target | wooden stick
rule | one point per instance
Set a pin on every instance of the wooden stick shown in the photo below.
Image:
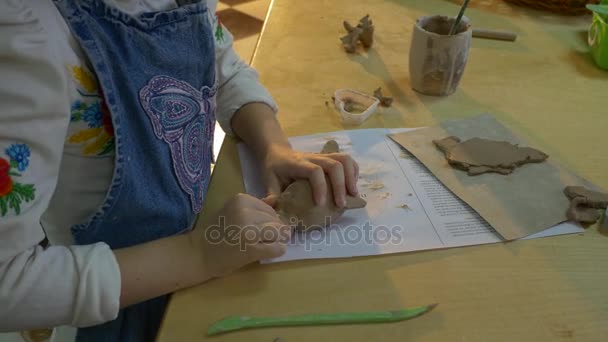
(492, 34)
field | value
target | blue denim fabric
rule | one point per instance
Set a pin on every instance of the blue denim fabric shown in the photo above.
(157, 73)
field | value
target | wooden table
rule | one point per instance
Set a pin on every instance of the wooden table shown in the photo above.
(544, 86)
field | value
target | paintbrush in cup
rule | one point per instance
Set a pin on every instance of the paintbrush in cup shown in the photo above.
(459, 17)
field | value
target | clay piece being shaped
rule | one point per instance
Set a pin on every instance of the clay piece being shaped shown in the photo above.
(584, 204)
(477, 155)
(363, 32)
(385, 101)
(296, 205)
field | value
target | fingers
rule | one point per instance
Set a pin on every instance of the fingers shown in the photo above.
(271, 200)
(316, 177)
(272, 250)
(275, 232)
(273, 186)
(335, 171)
(243, 201)
(351, 170)
(259, 218)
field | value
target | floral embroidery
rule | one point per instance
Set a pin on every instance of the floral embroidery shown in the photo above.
(98, 137)
(19, 154)
(183, 117)
(12, 193)
(85, 79)
(219, 31)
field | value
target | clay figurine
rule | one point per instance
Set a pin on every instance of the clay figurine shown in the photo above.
(363, 32)
(385, 101)
(479, 155)
(584, 204)
(296, 204)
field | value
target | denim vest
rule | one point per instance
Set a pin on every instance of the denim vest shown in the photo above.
(157, 73)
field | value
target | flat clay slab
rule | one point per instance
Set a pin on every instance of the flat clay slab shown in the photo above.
(516, 205)
(479, 155)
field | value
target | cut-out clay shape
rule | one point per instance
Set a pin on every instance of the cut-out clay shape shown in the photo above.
(479, 155)
(584, 204)
(385, 101)
(363, 32)
(296, 205)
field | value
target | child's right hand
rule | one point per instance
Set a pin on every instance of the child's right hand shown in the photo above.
(246, 230)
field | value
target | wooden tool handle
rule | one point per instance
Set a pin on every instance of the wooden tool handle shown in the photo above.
(491, 34)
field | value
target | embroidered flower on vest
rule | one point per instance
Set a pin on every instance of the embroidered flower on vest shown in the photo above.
(183, 116)
(12, 193)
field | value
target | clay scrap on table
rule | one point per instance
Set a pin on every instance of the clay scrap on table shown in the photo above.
(584, 204)
(479, 155)
(296, 204)
(385, 101)
(363, 32)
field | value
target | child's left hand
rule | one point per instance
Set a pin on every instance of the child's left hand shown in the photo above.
(283, 165)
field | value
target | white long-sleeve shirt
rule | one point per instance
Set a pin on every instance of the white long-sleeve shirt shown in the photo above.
(57, 161)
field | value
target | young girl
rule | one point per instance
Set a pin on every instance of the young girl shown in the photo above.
(107, 110)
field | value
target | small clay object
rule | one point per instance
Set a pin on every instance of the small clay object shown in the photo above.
(353, 106)
(363, 32)
(479, 155)
(296, 205)
(584, 204)
(330, 146)
(384, 100)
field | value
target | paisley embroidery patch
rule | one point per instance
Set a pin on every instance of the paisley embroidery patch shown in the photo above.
(183, 116)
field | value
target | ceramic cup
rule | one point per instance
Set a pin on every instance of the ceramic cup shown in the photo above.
(437, 60)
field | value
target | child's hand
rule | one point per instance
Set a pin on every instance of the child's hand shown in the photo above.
(246, 230)
(283, 165)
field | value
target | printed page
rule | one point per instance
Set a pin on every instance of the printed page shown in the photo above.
(408, 209)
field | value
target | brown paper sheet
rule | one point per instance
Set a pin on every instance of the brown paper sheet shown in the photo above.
(522, 203)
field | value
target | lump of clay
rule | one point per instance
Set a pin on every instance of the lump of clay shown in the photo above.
(296, 205)
(331, 146)
(384, 100)
(479, 156)
(584, 204)
(363, 32)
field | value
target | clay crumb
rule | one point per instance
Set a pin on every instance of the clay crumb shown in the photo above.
(385, 195)
(363, 32)
(385, 101)
(479, 155)
(584, 204)
(404, 207)
(326, 103)
(404, 155)
(376, 185)
(353, 107)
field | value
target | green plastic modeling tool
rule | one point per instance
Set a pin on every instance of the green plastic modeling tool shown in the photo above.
(235, 323)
